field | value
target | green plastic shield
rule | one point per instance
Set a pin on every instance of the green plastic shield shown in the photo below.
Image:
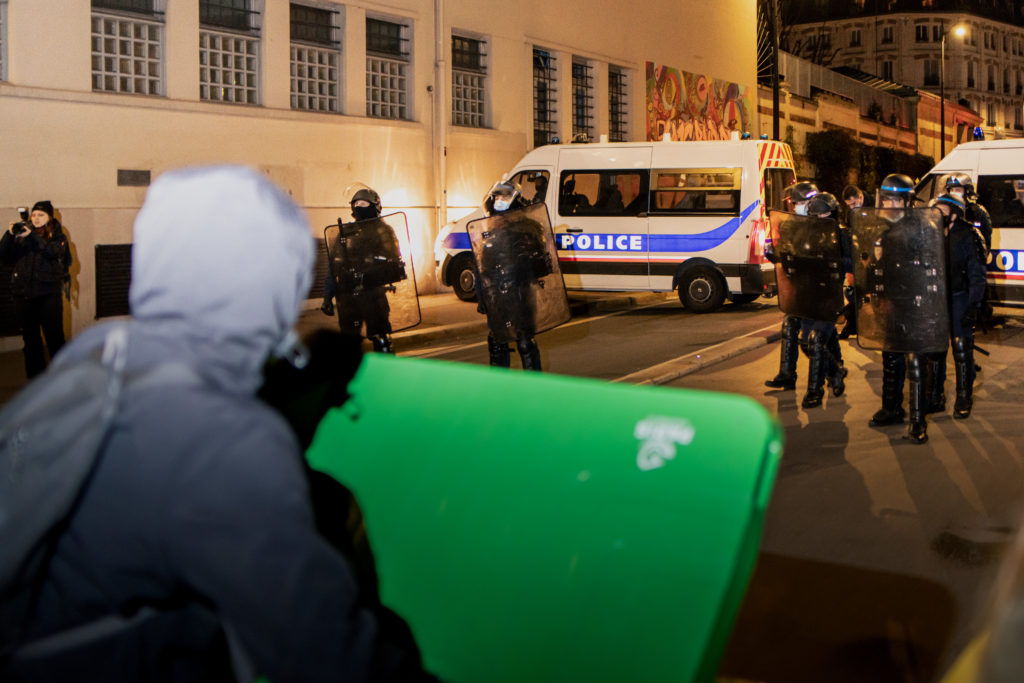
(534, 527)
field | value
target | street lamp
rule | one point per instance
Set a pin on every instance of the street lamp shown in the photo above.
(959, 32)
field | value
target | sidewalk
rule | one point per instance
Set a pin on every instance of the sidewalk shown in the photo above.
(443, 316)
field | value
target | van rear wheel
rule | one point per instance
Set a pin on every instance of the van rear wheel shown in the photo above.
(702, 289)
(462, 277)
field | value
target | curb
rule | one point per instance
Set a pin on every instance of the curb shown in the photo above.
(663, 373)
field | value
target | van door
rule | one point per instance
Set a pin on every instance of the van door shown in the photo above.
(601, 218)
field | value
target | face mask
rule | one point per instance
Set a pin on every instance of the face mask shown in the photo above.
(801, 209)
(362, 213)
(502, 204)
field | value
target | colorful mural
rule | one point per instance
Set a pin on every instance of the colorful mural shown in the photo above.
(694, 106)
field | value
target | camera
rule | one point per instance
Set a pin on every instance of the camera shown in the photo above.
(23, 224)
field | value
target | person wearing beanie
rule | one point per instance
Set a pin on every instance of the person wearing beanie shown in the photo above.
(38, 249)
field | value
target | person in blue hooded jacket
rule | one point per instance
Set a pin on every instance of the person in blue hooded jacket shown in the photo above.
(196, 535)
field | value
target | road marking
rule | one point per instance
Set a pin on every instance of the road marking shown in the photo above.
(430, 351)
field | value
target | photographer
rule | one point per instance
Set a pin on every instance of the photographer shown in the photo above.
(38, 249)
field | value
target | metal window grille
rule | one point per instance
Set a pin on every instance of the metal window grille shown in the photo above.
(468, 82)
(386, 82)
(228, 68)
(233, 15)
(582, 100)
(545, 111)
(387, 38)
(136, 6)
(314, 74)
(314, 25)
(618, 105)
(127, 55)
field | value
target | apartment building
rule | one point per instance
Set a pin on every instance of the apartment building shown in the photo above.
(428, 101)
(973, 52)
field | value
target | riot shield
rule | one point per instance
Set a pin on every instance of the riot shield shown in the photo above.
(809, 266)
(371, 265)
(521, 284)
(900, 278)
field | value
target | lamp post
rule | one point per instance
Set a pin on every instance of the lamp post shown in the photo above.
(959, 32)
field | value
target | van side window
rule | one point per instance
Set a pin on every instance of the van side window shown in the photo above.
(602, 193)
(1003, 196)
(534, 185)
(714, 191)
(776, 180)
(928, 188)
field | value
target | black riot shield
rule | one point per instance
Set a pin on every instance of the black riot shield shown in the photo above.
(809, 266)
(521, 284)
(372, 269)
(900, 278)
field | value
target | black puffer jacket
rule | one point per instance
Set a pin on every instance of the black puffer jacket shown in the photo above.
(40, 263)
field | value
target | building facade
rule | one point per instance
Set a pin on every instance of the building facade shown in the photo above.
(916, 42)
(427, 101)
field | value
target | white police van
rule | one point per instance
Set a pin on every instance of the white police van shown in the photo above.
(997, 169)
(654, 216)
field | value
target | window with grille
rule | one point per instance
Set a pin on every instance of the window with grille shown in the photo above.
(228, 68)
(127, 51)
(545, 111)
(469, 74)
(234, 15)
(582, 100)
(618, 105)
(315, 59)
(387, 66)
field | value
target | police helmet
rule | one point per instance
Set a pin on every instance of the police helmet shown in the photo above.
(955, 204)
(367, 195)
(897, 186)
(823, 202)
(503, 196)
(956, 180)
(801, 191)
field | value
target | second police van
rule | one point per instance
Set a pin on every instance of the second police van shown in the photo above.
(649, 216)
(997, 169)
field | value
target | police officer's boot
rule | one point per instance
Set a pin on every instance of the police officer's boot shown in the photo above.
(816, 374)
(529, 352)
(963, 362)
(918, 430)
(836, 370)
(788, 353)
(892, 394)
(936, 383)
(382, 343)
(500, 354)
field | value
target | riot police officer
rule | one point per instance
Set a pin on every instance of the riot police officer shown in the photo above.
(895, 192)
(818, 337)
(961, 185)
(797, 196)
(965, 270)
(511, 258)
(366, 259)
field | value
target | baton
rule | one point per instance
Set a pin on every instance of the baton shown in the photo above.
(982, 351)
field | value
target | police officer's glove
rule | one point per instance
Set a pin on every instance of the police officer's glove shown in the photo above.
(327, 307)
(969, 318)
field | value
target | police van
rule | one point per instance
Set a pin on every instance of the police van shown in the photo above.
(997, 169)
(649, 216)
